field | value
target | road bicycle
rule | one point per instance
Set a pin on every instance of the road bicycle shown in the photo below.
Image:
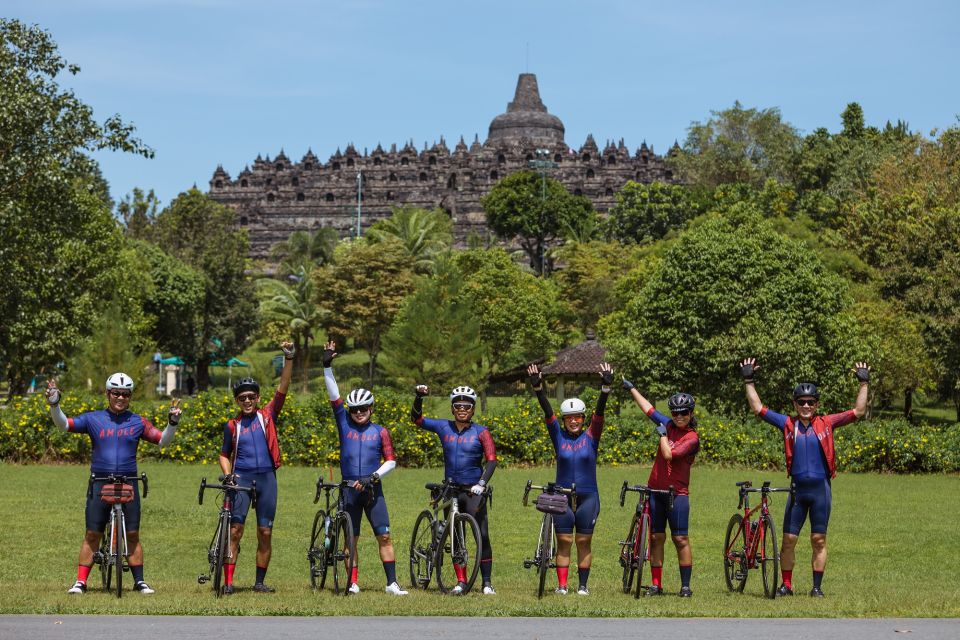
(751, 541)
(220, 549)
(331, 540)
(114, 552)
(635, 548)
(552, 501)
(448, 544)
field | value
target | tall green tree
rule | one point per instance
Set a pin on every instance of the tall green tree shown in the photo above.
(203, 234)
(535, 211)
(305, 251)
(424, 233)
(59, 244)
(647, 212)
(138, 210)
(587, 282)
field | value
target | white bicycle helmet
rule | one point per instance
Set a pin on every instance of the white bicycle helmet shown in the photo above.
(463, 393)
(359, 398)
(120, 381)
(573, 407)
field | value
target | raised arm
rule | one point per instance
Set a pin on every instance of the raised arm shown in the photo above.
(53, 399)
(173, 419)
(536, 382)
(862, 371)
(288, 353)
(416, 412)
(748, 367)
(642, 402)
(329, 353)
(606, 379)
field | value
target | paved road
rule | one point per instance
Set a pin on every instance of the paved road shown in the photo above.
(402, 628)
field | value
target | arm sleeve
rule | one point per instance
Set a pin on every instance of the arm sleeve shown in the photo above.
(840, 419)
(657, 418)
(430, 424)
(489, 450)
(488, 469)
(168, 434)
(150, 432)
(59, 417)
(772, 417)
(689, 444)
(227, 448)
(386, 445)
(333, 391)
(601, 403)
(544, 403)
(416, 413)
(595, 430)
(386, 467)
(276, 406)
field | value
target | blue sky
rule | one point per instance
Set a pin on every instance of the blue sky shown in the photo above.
(210, 82)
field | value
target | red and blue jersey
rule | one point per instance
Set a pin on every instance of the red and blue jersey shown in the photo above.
(464, 452)
(820, 431)
(361, 447)
(684, 445)
(114, 439)
(576, 455)
(258, 450)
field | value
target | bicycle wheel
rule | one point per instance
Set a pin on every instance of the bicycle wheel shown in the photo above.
(317, 551)
(641, 550)
(222, 547)
(421, 550)
(118, 544)
(769, 557)
(344, 551)
(459, 547)
(627, 557)
(734, 555)
(102, 559)
(544, 551)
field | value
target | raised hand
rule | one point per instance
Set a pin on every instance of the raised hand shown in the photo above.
(626, 384)
(748, 367)
(862, 371)
(173, 415)
(661, 430)
(329, 353)
(536, 378)
(422, 390)
(289, 350)
(606, 374)
(52, 392)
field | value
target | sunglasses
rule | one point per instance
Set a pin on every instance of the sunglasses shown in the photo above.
(462, 406)
(806, 402)
(682, 412)
(120, 394)
(247, 397)
(359, 409)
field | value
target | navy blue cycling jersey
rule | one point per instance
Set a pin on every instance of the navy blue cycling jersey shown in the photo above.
(253, 455)
(361, 447)
(576, 455)
(809, 461)
(464, 452)
(114, 438)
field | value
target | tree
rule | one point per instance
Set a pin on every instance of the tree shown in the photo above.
(588, 279)
(364, 290)
(535, 211)
(139, 213)
(202, 234)
(304, 251)
(435, 338)
(424, 233)
(647, 212)
(738, 145)
(59, 245)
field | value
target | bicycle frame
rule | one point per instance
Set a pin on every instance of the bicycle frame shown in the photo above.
(221, 546)
(635, 550)
(445, 499)
(114, 550)
(746, 548)
(545, 556)
(320, 553)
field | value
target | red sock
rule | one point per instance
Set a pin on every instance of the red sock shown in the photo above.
(657, 575)
(353, 574)
(787, 578)
(562, 573)
(83, 573)
(461, 571)
(228, 570)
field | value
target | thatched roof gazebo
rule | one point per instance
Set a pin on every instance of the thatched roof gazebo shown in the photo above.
(579, 363)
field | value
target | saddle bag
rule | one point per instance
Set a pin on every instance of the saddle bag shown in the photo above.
(555, 503)
(114, 493)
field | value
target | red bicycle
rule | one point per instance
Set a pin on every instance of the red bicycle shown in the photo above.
(751, 541)
(635, 549)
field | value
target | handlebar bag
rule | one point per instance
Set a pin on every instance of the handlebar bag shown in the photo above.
(555, 503)
(114, 493)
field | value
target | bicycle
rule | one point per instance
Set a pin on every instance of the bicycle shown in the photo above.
(550, 504)
(635, 548)
(220, 546)
(331, 540)
(113, 554)
(745, 547)
(433, 544)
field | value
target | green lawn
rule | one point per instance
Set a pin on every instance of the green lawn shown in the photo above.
(892, 549)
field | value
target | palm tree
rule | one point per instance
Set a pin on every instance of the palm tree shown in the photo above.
(305, 250)
(423, 233)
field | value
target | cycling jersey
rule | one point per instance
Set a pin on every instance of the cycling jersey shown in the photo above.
(821, 426)
(684, 445)
(114, 439)
(464, 452)
(267, 423)
(253, 455)
(576, 455)
(361, 447)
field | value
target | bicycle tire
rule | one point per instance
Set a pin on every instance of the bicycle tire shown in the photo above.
(769, 557)
(734, 555)
(344, 550)
(463, 542)
(642, 549)
(317, 551)
(103, 559)
(117, 542)
(220, 553)
(422, 546)
(627, 559)
(544, 551)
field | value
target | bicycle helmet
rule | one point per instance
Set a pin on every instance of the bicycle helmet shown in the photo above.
(120, 381)
(573, 407)
(463, 394)
(245, 384)
(681, 402)
(359, 398)
(806, 389)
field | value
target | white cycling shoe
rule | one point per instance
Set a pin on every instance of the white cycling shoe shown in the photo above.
(354, 588)
(488, 590)
(78, 587)
(394, 589)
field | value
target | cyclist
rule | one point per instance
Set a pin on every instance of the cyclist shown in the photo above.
(362, 445)
(811, 464)
(677, 448)
(576, 450)
(251, 452)
(469, 458)
(115, 433)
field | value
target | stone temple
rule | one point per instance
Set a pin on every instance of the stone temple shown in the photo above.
(274, 198)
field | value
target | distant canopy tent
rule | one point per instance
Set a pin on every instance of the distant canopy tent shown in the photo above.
(230, 364)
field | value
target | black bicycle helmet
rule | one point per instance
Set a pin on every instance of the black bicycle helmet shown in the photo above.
(245, 384)
(806, 389)
(681, 401)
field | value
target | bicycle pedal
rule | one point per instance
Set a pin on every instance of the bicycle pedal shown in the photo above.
(740, 575)
(202, 579)
(527, 564)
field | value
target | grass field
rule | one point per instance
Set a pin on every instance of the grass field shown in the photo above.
(893, 549)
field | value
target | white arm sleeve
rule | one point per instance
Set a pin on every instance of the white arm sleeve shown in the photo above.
(59, 417)
(333, 391)
(386, 467)
(167, 436)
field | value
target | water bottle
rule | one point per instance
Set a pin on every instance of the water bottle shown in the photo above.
(326, 531)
